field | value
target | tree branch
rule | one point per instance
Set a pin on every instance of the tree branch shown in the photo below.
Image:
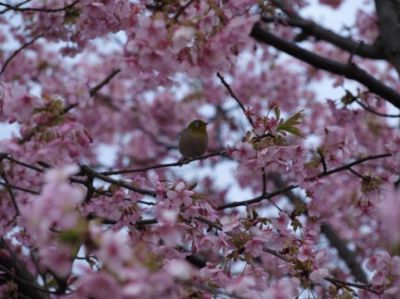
(92, 92)
(159, 166)
(7, 185)
(348, 166)
(87, 170)
(348, 256)
(16, 271)
(388, 13)
(104, 82)
(233, 95)
(340, 283)
(319, 32)
(257, 199)
(348, 70)
(275, 253)
(182, 10)
(369, 109)
(37, 9)
(10, 193)
(291, 187)
(24, 46)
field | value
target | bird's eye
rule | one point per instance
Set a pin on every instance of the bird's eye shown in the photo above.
(197, 124)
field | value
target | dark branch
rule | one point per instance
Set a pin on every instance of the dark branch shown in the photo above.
(348, 256)
(350, 71)
(348, 166)
(87, 170)
(388, 13)
(257, 199)
(11, 159)
(37, 9)
(319, 32)
(7, 185)
(269, 196)
(182, 9)
(105, 81)
(15, 270)
(263, 181)
(18, 5)
(92, 92)
(233, 95)
(286, 259)
(24, 46)
(159, 166)
(10, 193)
(322, 158)
(367, 108)
(341, 283)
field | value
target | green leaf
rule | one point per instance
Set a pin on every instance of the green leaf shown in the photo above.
(295, 131)
(277, 112)
(290, 125)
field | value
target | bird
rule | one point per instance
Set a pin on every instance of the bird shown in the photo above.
(193, 140)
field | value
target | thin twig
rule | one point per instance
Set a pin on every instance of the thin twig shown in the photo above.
(33, 167)
(18, 5)
(68, 108)
(322, 158)
(233, 95)
(257, 199)
(284, 258)
(182, 9)
(159, 166)
(107, 221)
(19, 188)
(264, 181)
(9, 59)
(356, 173)
(348, 166)
(38, 9)
(88, 170)
(367, 108)
(93, 91)
(104, 82)
(366, 287)
(269, 196)
(11, 194)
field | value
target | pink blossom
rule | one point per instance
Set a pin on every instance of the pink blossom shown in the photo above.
(318, 275)
(16, 103)
(110, 84)
(306, 252)
(179, 269)
(58, 259)
(89, 286)
(281, 223)
(114, 249)
(180, 194)
(230, 222)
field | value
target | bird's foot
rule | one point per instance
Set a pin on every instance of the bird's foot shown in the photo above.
(182, 161)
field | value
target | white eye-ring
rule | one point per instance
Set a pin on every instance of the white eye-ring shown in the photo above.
(197, 124)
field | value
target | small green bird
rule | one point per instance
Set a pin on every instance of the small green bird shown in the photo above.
(193, 140)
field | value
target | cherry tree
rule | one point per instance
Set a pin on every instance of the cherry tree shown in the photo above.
(296, 197)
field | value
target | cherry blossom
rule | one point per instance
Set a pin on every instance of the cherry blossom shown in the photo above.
(296, 195)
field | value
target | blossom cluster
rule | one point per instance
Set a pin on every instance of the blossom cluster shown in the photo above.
(297, 193)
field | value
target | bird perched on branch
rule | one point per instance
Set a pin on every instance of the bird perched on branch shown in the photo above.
(193, 139)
